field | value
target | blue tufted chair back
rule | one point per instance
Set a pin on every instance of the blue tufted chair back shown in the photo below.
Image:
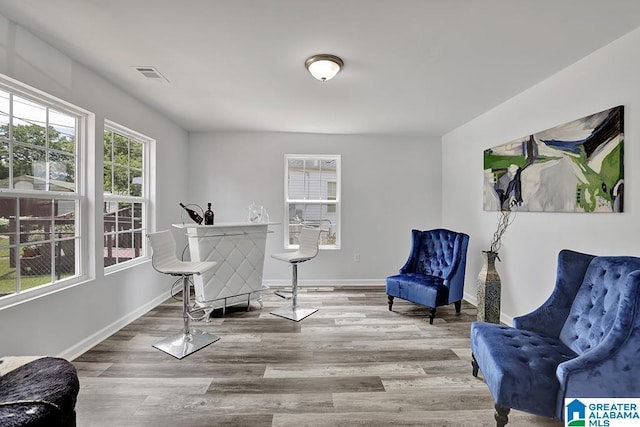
(596, 304)
(436, 252)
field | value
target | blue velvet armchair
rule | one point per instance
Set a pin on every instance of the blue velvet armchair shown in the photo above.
(583, 342)
(434, 273)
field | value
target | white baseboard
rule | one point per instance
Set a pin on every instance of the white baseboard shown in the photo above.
(473, 299)
(337, 283)
(91, 341)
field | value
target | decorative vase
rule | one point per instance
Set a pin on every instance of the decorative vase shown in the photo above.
(489, 287)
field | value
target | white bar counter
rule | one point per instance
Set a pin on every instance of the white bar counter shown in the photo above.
(238, 248)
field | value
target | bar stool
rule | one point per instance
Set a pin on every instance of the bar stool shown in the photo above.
(307, 250)
(165, 261)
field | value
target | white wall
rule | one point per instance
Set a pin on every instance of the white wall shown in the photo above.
(68, 322)
(607, 78)
(390, 184)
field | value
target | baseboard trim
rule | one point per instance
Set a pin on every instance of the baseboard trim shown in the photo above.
(91, 341)
(473, 300)
(337, 283)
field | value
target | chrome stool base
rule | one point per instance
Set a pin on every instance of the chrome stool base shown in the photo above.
(297, 313)
(307, 250)
(181, 345)
(189, 340)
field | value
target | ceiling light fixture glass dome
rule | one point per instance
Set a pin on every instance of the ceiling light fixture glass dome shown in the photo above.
(324, 66)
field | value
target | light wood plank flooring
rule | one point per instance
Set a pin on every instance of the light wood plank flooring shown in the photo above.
(353, 363)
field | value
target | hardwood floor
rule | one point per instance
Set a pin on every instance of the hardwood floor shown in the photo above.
(353, 363)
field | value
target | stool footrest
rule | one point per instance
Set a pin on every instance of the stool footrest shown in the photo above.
(284, 294)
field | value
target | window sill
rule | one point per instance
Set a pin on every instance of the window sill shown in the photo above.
(13, 300)
(125, 265)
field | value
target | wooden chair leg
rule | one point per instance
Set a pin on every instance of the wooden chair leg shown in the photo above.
(501, 415)
(432, 315)
(458, 305)
(474, 365)
(390, 301)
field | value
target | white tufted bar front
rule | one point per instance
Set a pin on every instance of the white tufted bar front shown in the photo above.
(239, 249)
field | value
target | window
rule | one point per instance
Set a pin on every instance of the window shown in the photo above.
(312, 197)
(331, 195)
(40, 192)
(125, 194)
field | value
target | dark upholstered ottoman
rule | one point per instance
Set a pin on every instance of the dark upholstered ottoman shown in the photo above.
(42, 392)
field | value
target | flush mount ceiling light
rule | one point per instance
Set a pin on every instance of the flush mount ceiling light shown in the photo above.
(323, 67)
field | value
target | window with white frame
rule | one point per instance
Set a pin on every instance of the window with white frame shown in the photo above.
(312, 198)
(125, 194)
(41, 142)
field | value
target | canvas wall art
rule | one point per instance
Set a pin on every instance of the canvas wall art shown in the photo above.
(574, 167)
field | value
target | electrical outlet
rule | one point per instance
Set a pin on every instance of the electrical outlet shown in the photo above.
(356, 257)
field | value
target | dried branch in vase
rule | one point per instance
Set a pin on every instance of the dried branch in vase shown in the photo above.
(505, 218)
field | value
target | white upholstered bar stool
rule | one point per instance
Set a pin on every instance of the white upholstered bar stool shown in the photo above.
(164, 260)
(307, 250)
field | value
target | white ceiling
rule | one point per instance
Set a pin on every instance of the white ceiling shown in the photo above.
(411, 66)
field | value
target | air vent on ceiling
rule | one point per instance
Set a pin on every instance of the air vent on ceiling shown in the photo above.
(151, 73)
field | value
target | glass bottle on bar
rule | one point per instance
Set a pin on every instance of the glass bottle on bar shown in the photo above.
(195, 216)
(208, 215)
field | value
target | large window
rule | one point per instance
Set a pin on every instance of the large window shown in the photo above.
(125, 194)
(312, 198)
(40, 198)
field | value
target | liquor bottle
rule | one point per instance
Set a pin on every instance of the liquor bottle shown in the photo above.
(208, 215)
(195, 216)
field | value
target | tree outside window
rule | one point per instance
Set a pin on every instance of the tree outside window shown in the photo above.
(125, 199)
(39, 204)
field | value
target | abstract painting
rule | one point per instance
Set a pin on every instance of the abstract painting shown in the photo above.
(574, 167)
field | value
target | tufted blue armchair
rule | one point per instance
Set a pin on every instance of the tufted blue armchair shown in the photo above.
(583, 342)
(434, 273)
